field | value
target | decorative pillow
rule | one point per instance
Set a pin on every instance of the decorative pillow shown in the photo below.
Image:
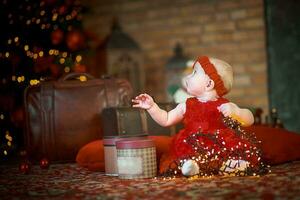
(162, 144)
(278, 145)
(91, 156)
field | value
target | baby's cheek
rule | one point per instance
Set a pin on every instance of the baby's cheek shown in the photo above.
(190, 85)
(184, 82)
(197, 85)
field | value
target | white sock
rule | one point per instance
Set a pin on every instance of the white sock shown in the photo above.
(190, 168)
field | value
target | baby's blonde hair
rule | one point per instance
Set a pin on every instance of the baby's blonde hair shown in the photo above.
(225, 72)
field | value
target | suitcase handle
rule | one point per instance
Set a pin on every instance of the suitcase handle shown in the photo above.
(75, 75)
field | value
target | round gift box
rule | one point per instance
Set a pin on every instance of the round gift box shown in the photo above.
(110, 153)
(136, 159)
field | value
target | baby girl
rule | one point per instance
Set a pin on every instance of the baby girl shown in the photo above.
(207, 145)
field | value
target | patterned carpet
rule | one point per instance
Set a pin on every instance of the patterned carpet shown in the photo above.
(68, 181)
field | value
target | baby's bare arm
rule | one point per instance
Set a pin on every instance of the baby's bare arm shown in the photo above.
(165, 118)
(162, 117)
(243, 115)
(246, 116)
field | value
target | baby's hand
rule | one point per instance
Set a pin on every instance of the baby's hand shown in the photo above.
(144, 101)
(229, 109)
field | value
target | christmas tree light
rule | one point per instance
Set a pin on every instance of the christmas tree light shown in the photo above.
(40, 39)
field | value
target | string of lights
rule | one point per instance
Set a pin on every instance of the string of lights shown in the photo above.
(212, 154)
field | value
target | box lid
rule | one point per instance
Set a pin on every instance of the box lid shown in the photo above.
(135, 144)
(111, 141)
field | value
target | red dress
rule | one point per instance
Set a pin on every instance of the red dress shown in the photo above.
(205, 134)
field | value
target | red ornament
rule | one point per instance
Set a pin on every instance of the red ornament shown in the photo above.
(24, 167)
(15, 60)
(50, 2)
(42, 63)
(55, 70)
(69, 2)
(17, 117)
(62, 10)
(80, 68)
(44, 163)
(57, 36)
(75, 40)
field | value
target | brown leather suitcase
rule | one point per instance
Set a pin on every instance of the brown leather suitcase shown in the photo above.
(133, 122)
(64, 115)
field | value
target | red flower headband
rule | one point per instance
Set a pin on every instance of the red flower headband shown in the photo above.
(211, 71)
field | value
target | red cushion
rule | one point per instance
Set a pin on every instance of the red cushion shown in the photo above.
(162, 144)
(278, 145)
(91, 156)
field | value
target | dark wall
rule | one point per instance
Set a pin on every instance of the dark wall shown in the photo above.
(283, 42)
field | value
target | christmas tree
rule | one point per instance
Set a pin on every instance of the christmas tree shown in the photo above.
(38, 40)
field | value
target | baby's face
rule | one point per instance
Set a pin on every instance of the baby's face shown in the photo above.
(197, 81)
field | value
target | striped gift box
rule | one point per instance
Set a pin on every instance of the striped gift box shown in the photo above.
(136, 159)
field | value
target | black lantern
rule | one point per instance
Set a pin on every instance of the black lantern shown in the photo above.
(120, 56)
